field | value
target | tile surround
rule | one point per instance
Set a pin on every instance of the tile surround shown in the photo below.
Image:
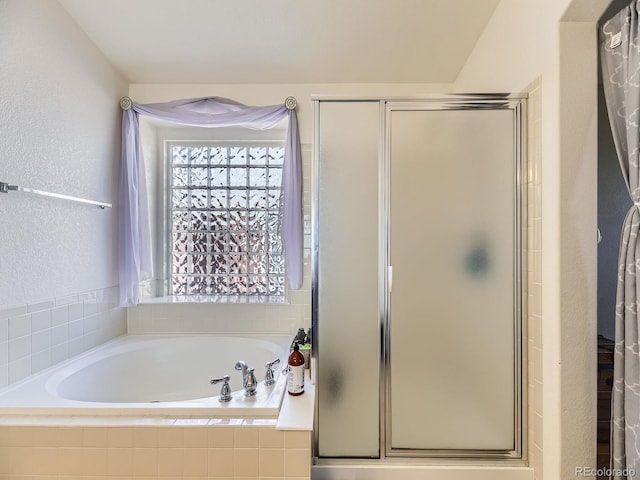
(119, 448)
(36, 336)
(534, 279)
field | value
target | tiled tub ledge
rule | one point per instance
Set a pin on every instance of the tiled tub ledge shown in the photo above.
(124, 447)
(172, 448)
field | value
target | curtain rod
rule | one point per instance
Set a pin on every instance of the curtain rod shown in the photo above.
(290, 102)
(6, 188)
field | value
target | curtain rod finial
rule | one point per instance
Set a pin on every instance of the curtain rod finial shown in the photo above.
(291, 103)
(125, 103)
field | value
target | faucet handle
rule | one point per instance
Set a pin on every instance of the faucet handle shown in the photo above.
(225, 390)
(269, 374)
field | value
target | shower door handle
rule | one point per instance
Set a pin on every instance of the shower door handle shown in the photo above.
(389, 278)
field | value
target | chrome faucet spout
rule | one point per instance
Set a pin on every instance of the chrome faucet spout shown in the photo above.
(240, 365)
(249, 381)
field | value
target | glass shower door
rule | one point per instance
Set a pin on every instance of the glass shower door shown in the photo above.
(452, 381)
(346, 307)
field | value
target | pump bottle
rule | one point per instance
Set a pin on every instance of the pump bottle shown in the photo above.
(295, 380)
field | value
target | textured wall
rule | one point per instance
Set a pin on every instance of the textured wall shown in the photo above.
(59, 131)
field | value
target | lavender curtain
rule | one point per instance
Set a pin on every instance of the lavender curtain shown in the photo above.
(620, 58)
(135, 263)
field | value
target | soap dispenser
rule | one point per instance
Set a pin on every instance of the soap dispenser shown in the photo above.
(295, 380)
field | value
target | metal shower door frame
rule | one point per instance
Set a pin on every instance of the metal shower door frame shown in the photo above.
(517, 104)
(513, 102)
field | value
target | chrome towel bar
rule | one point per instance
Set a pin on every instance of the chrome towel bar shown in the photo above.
(6, 188)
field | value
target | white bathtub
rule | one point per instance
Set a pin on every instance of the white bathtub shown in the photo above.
(154, 375)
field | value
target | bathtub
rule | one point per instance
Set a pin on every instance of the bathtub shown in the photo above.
(154, 375)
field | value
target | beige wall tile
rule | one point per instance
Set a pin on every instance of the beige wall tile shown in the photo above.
(48, 437)
(271, 438)
(10, 458)
(21, 458)
(16, 436)
(247, 437)
(246, 462)
(134, 452)
(221, 437)
(537, 430)
(119, 461)
(297, 463)
(145, 437)
(5, 456)
(271, 462)
(537, 398)
(120, 437)
(537, 463)
(145, 461)
(196, 437)
(170, 461)
(95, 437)
(537, 365)
(534, 304)
(70, 461)
(220, 462)
(43, 460)
(297, 439)
(94, 461)
(196, 462)
(170, 437)
(67, 436)
(537, 331)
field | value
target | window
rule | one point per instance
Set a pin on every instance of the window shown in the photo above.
(224, 218)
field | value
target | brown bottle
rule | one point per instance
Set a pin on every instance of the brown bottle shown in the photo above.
(295, 379)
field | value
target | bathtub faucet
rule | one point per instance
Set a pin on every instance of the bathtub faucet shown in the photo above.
(249, 381)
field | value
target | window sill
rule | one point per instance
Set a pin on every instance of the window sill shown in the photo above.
(215, 299)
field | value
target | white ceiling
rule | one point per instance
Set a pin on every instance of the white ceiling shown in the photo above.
(284, 41)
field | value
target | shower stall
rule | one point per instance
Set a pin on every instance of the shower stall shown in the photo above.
(417, 280)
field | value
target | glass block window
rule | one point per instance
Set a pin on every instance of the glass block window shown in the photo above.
(224, 211)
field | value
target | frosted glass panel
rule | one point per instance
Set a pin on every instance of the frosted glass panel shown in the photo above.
(452, 304)
(347, 306)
